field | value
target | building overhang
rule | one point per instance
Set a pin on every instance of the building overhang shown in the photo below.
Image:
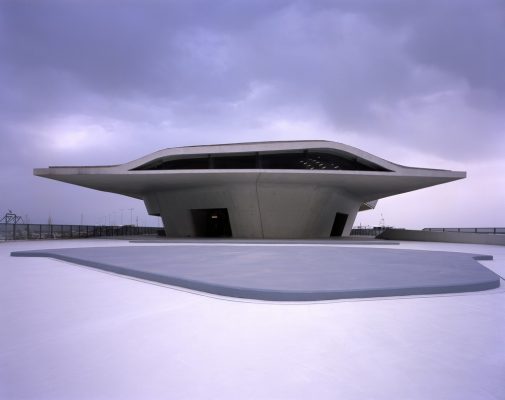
(364, 185)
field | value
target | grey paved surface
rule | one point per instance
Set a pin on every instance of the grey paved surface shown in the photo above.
(289, 273)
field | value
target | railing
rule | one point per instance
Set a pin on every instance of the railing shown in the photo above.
(377, 230)
(489, 231)
(41, 231)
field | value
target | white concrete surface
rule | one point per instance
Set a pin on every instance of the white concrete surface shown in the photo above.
(69, 332)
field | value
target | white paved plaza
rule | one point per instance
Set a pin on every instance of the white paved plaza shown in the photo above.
(72, 332)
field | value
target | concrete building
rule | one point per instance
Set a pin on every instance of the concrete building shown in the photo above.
(294, 189)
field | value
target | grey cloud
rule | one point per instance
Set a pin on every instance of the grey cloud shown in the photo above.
(464, 38)
(194, 51)
(425, 75)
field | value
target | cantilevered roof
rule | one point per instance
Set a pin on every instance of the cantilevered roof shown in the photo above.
(362, 175)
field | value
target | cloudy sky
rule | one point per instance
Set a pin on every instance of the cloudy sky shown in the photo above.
(419, 83)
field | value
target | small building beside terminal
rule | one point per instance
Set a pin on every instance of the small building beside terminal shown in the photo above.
(272, 190)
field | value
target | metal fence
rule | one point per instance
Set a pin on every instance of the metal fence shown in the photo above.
(489, 231)
(377, 230)
(40, 231)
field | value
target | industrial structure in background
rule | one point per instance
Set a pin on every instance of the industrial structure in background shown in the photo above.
(13, 227)
(273, 190)
(11, 218)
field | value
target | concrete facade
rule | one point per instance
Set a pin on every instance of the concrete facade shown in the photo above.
(300, 189)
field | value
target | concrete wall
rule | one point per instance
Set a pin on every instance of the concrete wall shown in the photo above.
(264, 209)
(451, 237)
(241, 201)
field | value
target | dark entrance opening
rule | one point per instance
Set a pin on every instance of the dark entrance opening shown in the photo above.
(211, 222)
(339, 224)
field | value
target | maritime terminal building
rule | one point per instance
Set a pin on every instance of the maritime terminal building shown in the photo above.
(285, 190)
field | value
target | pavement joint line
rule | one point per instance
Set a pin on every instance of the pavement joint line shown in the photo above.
(268, 244)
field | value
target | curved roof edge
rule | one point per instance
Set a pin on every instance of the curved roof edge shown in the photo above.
(261, 146)
(250, 147)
